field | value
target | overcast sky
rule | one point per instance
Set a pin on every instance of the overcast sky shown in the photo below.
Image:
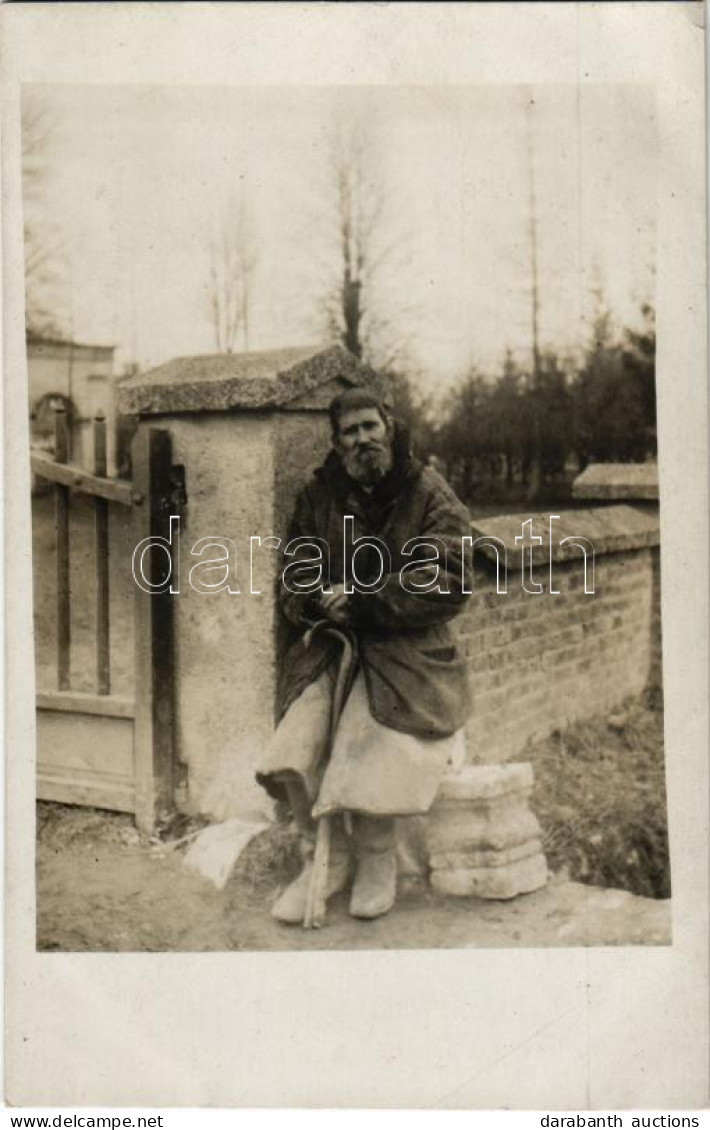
(138, 176)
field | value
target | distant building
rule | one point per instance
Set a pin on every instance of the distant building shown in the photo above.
(81, 377)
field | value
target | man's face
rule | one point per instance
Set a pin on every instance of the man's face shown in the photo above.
(364, 443)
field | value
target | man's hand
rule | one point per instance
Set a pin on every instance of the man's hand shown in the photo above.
(334, 604)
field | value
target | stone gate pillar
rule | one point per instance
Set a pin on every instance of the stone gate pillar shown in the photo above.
(247, 431)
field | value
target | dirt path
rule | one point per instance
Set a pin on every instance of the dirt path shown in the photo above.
(99, 888)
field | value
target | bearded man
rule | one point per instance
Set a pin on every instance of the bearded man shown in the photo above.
(401, 724)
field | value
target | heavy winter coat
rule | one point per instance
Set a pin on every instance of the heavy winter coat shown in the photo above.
(415, 675)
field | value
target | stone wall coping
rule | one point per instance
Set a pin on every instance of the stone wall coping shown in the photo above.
(610, 529)
(265, 381)
(618, 480)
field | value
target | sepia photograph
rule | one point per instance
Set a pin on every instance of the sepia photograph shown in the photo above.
(355, 559)
(345, 516)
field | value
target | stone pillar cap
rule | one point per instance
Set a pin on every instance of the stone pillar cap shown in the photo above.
(306, 377)
(618, 481)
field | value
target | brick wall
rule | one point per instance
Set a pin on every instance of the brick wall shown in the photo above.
(541, 661)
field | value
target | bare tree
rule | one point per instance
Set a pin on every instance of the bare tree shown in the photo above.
(535, 374)
(43, 257)
(357, 229)
(231, 264)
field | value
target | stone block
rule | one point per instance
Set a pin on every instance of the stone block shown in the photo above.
(486, 782)
(482, 838)
(518, 878)
(485, 857)
(495, 830)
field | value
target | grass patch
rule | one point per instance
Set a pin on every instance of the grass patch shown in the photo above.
(600, 797)
(61, 825)
(271, 859)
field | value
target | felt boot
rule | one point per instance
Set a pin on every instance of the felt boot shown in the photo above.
(290, 906)
(375, 887)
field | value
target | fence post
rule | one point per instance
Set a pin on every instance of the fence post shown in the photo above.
(103, 667)
(155, 707)
(61, 511)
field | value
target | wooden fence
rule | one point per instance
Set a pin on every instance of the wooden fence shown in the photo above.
(99, 748)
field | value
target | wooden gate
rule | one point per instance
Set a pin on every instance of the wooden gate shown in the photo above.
(100, 748)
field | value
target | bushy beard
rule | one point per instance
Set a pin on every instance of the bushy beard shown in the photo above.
(369, 463)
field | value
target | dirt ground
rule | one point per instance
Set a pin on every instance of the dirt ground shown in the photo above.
(99, 888)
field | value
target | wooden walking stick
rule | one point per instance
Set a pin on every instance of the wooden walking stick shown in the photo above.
(315, 913)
